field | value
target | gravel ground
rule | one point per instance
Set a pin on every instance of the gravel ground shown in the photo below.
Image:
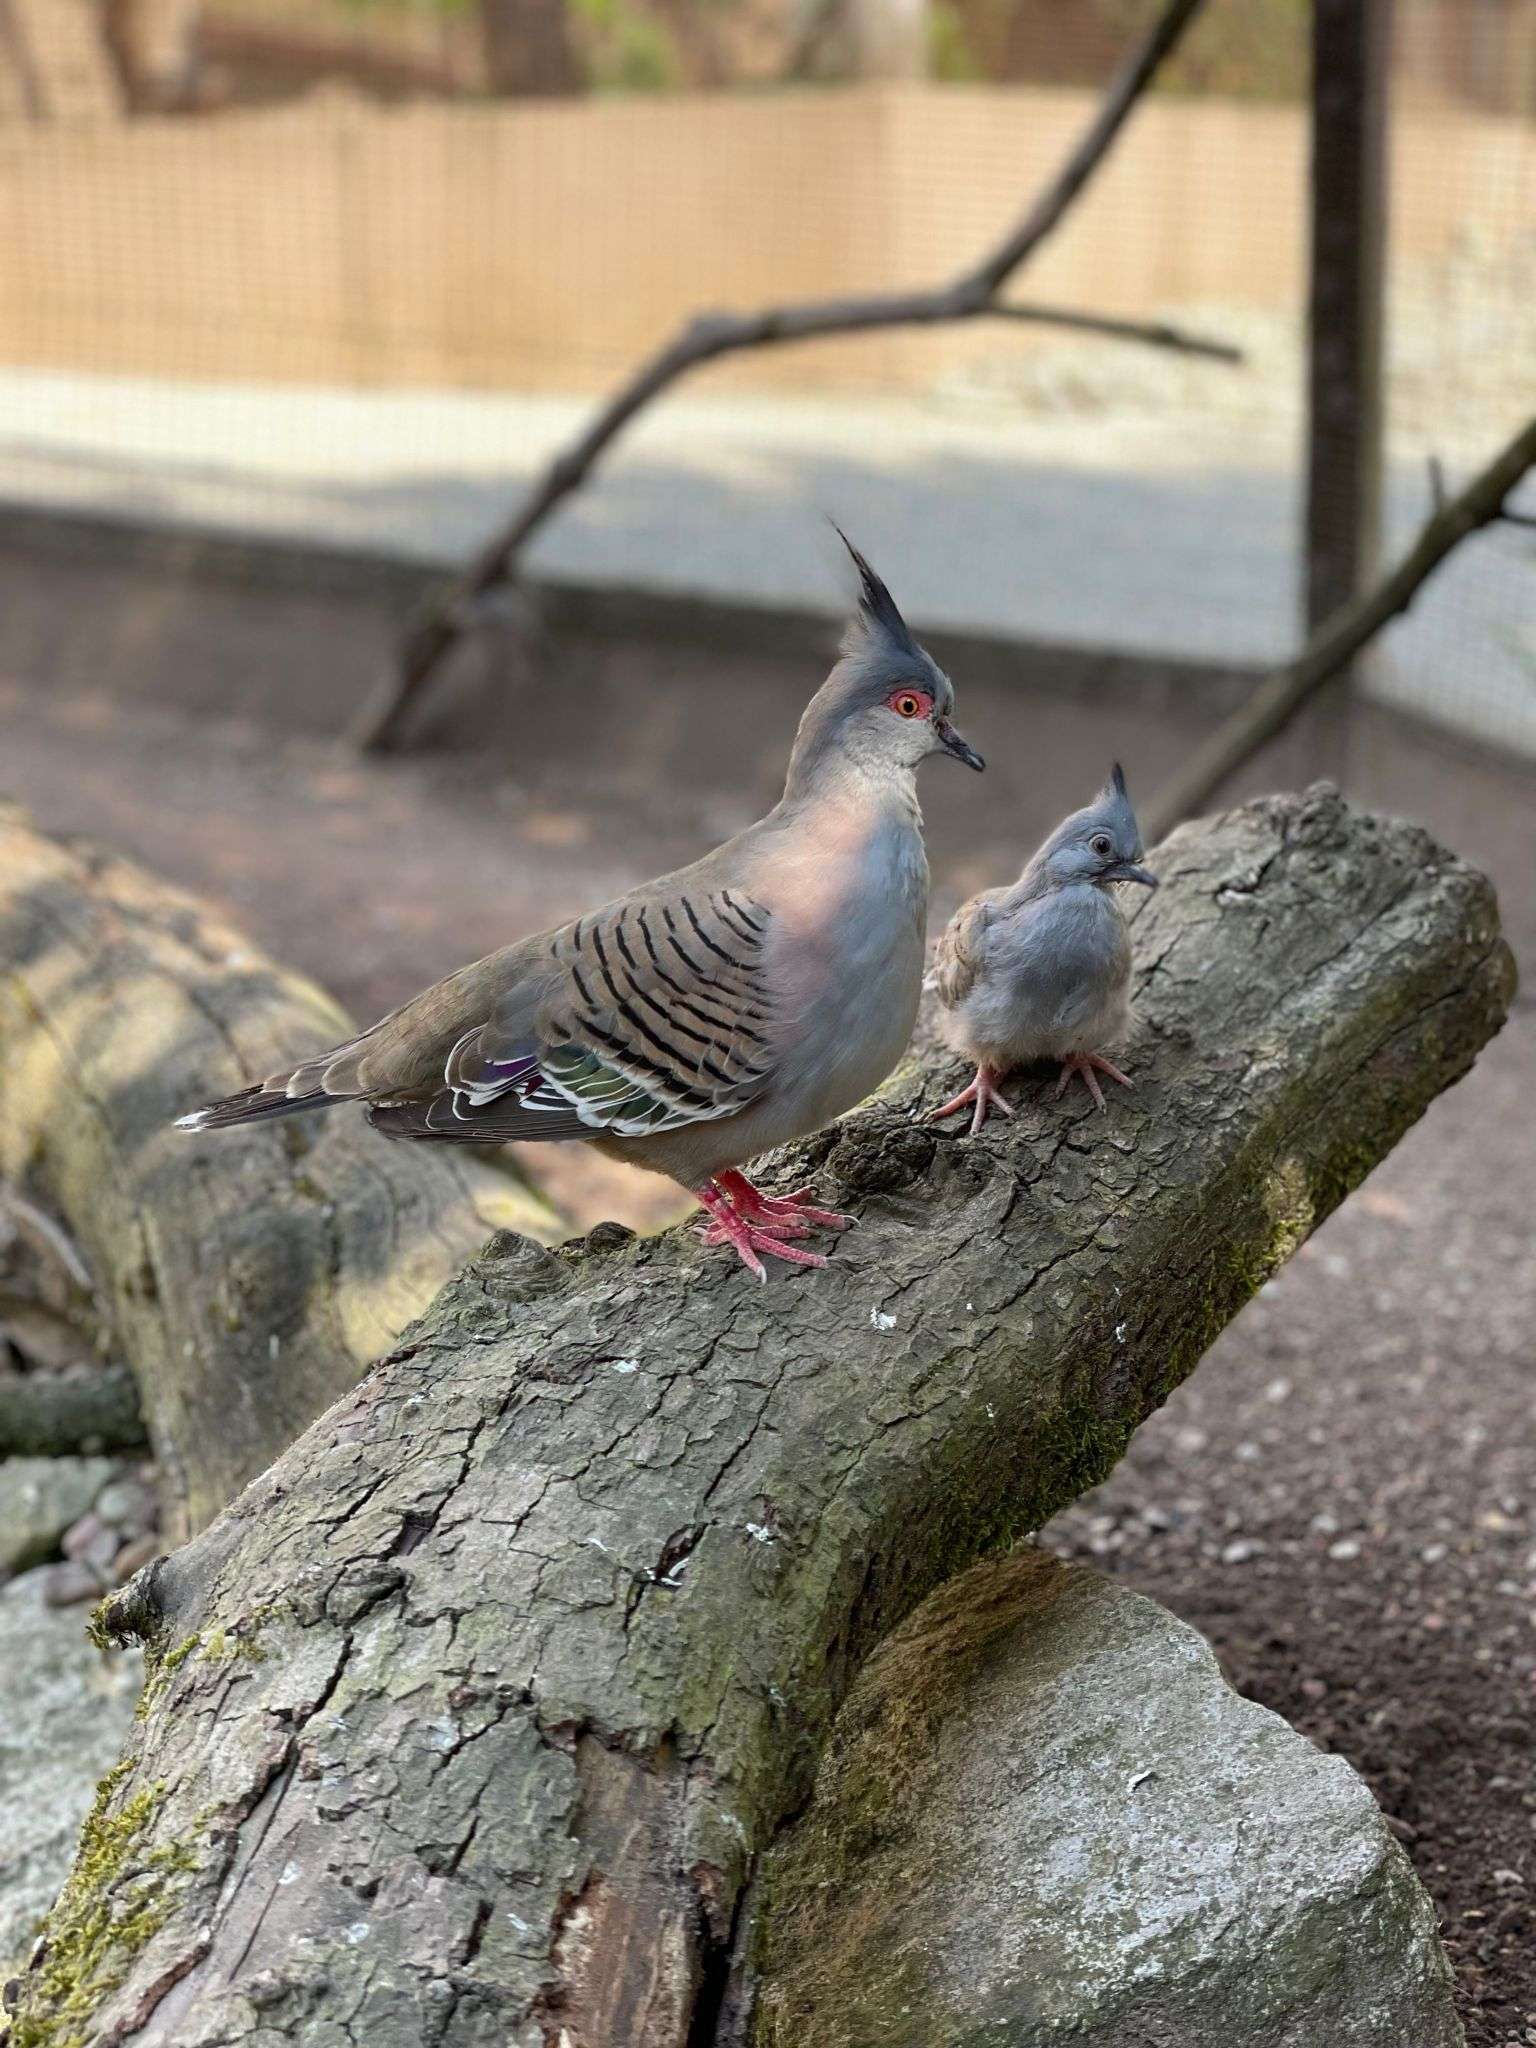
(1342, 1498)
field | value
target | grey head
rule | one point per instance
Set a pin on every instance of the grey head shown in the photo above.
(1099, 845)
(886, 705)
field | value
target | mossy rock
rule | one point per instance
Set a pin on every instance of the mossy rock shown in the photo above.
(1045, 1819)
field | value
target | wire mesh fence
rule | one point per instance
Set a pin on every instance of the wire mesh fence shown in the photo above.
(317, 270)
(1461, 355)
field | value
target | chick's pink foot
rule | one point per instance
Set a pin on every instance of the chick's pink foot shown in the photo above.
(1083, 1063)
(752, 1222)
(983, 1092)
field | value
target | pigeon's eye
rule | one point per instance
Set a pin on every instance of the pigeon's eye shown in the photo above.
(1102, 845)
(910, 703)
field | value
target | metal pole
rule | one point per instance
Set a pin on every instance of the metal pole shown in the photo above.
(1351, 42)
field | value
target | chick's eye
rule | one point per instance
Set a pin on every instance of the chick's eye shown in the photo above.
(1102, 846)
(910, 703)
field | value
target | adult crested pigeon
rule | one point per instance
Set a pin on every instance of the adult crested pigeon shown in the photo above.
(1043, 970)
(703, 1018)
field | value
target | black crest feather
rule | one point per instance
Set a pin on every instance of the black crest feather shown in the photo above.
(878, 616)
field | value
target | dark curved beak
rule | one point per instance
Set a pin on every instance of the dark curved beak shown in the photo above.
(961, 749)
(1127, 871)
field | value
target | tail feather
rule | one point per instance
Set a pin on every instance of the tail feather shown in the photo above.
(253, 1105)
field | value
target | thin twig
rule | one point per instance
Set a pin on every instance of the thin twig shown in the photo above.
(1136, 73)
(1154, 333)
(1339, 639)
(971, 296)
(45, 1234)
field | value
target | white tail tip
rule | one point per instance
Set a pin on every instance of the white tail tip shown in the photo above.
(195, 1122)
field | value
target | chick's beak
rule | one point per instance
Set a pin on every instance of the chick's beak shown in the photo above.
(1127, 871)
(961, 749)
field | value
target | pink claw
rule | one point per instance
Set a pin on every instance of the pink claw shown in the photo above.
(757, 1207)
(769, 1226)
(752, 1222)
(983, 1092)
(1083, 1063)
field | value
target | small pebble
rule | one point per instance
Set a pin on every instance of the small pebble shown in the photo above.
(80, 1537)
(133, 1557)
(1344, 1549)
(68, 1583)
(127, 1503)
(100, 1554)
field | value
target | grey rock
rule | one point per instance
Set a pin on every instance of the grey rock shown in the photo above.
(65, 1710)
(1044, 1818)
(39, 1499)
(127, 1503)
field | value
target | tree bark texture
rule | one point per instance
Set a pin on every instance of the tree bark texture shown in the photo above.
(528, 48)
(248, 1283)
(469, 1721)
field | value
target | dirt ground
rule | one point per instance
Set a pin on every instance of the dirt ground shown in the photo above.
(1343, 1498)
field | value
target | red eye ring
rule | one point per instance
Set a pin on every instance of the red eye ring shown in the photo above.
(910, 703)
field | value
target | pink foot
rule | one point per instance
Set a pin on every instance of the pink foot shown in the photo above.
(738, 1223)
(793, 1211)
(983, 1092)
(1083, 1063)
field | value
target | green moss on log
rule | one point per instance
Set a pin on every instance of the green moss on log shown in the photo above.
(105, 1915)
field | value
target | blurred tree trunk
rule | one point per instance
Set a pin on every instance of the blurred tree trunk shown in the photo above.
(468, 1722)
(155, 46)
(888, 39)
(696, 38)
(529, 53)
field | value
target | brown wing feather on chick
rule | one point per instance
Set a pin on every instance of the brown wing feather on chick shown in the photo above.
(958, 956)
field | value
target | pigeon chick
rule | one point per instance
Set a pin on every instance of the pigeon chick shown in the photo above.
(1043, 970)
(706, 1017)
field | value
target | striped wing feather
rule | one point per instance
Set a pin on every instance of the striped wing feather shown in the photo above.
(656, 1014)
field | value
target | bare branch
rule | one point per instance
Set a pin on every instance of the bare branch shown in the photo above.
(971, 296)
(1336, 643)
(1125, 89)
(1154, 333)
(48, 1236)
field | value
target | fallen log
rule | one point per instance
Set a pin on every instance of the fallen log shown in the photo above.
(470, 1720)
(248, 1284)
(52, 1415)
